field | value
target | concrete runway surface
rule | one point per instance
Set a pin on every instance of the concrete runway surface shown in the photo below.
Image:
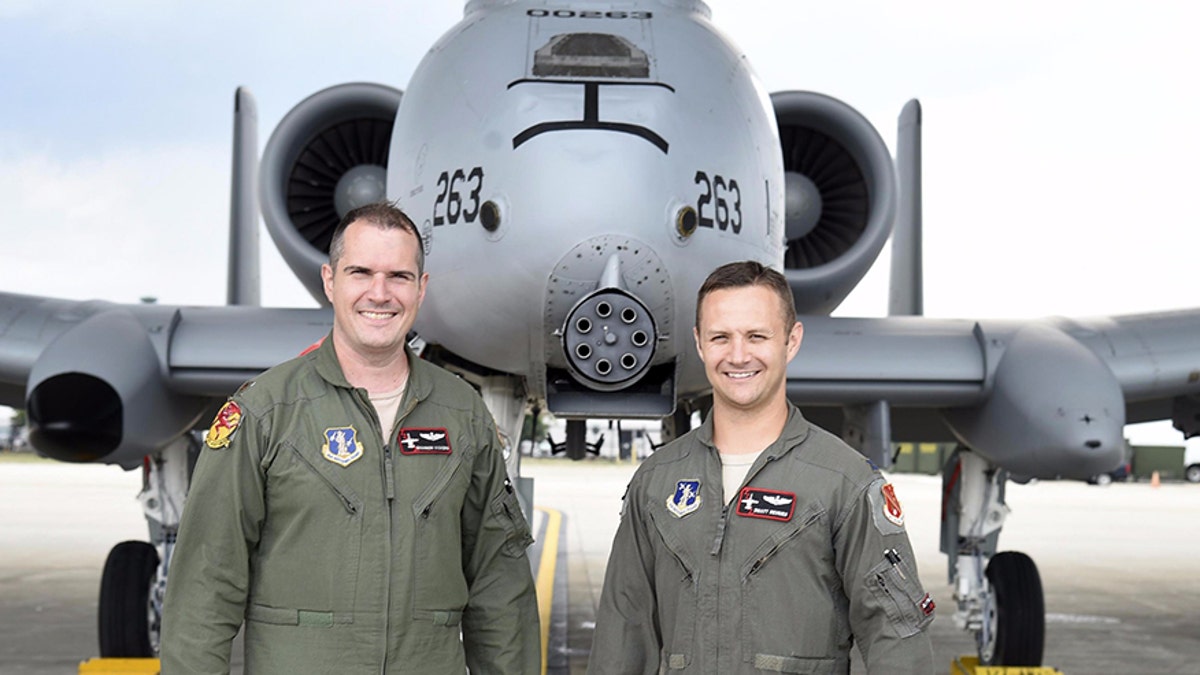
(1119, 564)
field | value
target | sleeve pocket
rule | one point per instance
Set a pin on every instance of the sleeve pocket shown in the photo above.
(899, 593)
(508, 510)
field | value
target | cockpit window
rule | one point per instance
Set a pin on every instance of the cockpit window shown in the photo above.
(590, 55)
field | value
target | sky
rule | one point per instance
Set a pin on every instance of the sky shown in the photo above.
(1060, 139)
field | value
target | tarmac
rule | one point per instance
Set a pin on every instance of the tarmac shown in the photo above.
(1118, 563)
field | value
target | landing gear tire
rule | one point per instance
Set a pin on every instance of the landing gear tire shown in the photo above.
(1018, 613)
(129, 626)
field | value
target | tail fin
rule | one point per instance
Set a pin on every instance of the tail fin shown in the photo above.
(906, 294)
(244, 286)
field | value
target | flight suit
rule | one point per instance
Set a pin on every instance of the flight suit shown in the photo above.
(345, 552)
(808, 558)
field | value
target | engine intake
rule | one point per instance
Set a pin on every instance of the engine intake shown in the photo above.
(841, 197)
(327, 156)
(115, 409)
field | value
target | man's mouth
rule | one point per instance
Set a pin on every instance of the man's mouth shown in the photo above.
(741, 375)
(376, 315)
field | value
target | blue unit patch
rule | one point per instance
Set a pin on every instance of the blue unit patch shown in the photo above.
(341, 446)
(686, 498)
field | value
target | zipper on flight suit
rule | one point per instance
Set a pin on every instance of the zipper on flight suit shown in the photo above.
(346, 502)
(390, 491)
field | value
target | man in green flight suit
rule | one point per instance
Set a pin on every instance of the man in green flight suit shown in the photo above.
(758, 542)
(352, 506)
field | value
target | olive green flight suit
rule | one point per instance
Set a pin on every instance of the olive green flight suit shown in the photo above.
(809, 557)
(345, 552)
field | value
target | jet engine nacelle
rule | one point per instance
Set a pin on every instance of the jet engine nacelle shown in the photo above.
(840, 197)
(1055, 409)
(97, 393)
(327, 156)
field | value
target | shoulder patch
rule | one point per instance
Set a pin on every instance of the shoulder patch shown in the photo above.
(224, 424)
(885, 507)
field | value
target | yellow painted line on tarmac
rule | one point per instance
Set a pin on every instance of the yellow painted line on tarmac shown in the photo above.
(120, 667)
(545, 576)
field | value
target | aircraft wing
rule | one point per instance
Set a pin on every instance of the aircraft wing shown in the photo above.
(1044, 398)
(145, 371)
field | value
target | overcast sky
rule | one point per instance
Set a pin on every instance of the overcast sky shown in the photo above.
(1061, 143)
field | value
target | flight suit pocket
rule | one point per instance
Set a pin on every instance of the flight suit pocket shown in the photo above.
(898, 591)
(777, 581)
(507, 509)
(316, 565)
(676, 581)
(438, 583)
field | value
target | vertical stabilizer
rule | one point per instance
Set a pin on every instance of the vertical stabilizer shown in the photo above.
(244, 286)
(906, 293)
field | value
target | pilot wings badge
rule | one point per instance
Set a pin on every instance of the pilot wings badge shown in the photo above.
(341, 446)
(686, 498)
(424, 441)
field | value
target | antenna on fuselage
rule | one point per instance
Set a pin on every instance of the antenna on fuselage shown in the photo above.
(245, 283)
(906, 295)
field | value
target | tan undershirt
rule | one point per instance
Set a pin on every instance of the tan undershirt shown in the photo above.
(733, 471)
(386, 406)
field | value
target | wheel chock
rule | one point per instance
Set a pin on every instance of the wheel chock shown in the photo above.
(969, 665)
(120, 667)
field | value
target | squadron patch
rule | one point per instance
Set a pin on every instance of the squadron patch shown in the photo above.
(424, 441)
(885, 507)
(224, 424)
(770, 504)
(685, 499)
(341, 446)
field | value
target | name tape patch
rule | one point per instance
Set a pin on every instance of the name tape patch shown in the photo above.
(416, 441)
(762, 503)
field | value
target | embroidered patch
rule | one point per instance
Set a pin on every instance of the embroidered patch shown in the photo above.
(224, 424)
(927, 605)
(685, 499)
(424, 441)
(882, 513)
(891, 505)
(341, 445)
(770, 504)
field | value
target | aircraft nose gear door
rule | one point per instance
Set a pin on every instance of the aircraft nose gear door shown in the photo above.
(999, 595)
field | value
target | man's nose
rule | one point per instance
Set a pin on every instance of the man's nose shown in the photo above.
(737, 350)
(378, 287)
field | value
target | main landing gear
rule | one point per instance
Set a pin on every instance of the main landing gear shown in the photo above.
(134, 580)
(999, 595)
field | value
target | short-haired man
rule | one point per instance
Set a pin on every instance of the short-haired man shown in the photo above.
(758, 542)
(352, 505)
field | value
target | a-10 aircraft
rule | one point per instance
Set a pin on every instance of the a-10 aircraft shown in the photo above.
(575, 179)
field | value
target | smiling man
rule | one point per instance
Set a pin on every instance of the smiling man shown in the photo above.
(351, 505)
(758, 542)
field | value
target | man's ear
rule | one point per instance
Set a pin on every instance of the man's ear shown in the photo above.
(327, 281)
(696, 336)
(795, 337)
